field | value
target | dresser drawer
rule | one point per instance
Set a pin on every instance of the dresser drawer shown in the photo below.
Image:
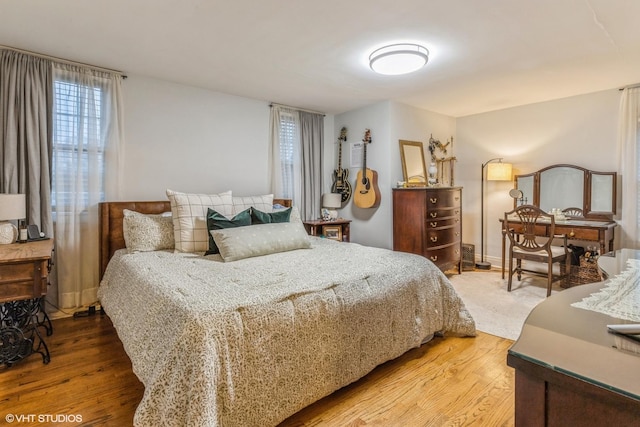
(443, 213)
(578, 233)
(442, 236)
(443, 199)
(445, 255)
(442, 222)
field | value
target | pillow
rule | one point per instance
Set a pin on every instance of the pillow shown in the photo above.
(189, 213)
(145, 232)
(217, 221)
(263, 239)
(259, 217)
(295, 214)
(264, 203)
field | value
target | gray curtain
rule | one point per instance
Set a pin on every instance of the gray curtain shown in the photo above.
(26, 138)
(311, 142)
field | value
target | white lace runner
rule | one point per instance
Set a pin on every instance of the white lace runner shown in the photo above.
(620, 297)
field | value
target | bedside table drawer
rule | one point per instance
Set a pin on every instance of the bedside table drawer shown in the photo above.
(23, 280)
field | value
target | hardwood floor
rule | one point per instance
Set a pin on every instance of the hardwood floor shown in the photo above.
(447, 382)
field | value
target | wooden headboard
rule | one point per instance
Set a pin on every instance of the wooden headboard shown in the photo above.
(111, 215)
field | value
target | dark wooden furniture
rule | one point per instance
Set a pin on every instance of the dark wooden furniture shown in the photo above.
(527, 245)
(428, 221)
(567, 371)
(24, 268)
(569, 186)
(111, 236)
(575, 229)
(321, 228)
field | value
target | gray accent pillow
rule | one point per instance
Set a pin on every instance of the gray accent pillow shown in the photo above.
(257, 240)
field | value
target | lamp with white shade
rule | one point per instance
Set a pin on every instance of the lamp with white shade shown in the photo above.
(496, 171)
(331, 202)
(12, 207)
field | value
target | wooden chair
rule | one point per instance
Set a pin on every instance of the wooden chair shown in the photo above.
(521, 225)
(572, 212)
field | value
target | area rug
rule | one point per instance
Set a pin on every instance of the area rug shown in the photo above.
(496, 311)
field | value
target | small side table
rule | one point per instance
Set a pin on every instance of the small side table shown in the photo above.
(24, 270)
(337, 229)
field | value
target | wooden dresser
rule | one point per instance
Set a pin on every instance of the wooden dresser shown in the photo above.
(428, 222)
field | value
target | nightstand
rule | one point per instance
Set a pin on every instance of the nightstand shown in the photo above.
(337, 229)
(24, 269)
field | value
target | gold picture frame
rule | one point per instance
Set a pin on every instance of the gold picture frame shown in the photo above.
(333, 232)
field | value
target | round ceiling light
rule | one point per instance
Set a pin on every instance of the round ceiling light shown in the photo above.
(396, 59)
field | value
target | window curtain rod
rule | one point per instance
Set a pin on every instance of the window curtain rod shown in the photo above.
(63, 61)
(633, 86)
(273, 104)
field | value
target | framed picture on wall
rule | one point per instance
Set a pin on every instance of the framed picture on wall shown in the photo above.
(333, 232)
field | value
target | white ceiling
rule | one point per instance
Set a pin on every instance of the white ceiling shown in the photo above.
(485, 55)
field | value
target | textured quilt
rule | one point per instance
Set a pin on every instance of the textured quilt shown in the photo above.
(251, 342)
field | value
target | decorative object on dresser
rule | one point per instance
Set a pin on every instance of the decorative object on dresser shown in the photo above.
(24, 269)
(414, 170)
(12, 207)
(496, 171)
(428, 222)
(337, 229)
(445, 163)
(341, 182)
(367, 193)
(331, 202)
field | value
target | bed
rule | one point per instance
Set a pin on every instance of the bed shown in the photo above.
(251, 342)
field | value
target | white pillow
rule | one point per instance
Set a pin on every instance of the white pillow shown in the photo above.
(257, 240)
(189, 213)
(263, 203)
(147, 232)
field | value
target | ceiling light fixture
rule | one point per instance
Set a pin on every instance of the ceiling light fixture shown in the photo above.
(396, 59)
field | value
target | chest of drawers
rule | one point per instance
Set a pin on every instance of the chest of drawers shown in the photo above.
(428, 222)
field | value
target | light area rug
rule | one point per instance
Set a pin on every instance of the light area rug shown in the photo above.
(496, 311)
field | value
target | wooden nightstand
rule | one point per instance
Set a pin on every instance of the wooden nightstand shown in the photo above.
(337, 229)
(24, 268)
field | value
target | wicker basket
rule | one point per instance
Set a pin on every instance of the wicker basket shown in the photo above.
(586, 272)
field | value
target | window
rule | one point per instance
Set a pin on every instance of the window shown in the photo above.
(78, 144)
(288, 148)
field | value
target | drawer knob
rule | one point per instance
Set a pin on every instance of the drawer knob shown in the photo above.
(457, 233)
(434, 258)
(456, 212)
(457, 251)
(433, 200)
(572, 234)
(433, 214)
(457, 219)
(433, 224)
(434, 239)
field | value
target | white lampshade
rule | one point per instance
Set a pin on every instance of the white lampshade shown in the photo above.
(499, 171)
(12, 207)
(332, 200)
(396, 59)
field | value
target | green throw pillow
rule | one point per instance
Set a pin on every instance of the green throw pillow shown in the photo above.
(217, 221)
(259, 217)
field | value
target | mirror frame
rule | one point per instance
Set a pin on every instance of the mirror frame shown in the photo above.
(588, 214)
(403, 144)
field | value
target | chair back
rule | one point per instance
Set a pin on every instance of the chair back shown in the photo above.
(523, 221)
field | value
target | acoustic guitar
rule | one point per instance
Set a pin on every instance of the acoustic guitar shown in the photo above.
(367, 193)
(341, 182)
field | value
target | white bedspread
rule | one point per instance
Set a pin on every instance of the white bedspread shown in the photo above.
(251, 342)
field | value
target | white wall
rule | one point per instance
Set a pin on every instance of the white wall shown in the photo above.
(194, 140)
(580, 130)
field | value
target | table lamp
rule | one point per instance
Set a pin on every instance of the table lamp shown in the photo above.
(12, 207)
(331, 202)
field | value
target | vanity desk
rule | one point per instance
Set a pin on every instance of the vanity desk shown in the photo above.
(590, 193)
(567, 370)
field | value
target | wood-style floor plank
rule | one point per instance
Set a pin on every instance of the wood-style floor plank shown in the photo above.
(447, 382)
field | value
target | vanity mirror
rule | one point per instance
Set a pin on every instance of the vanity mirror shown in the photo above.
(570, 186)
(413, 165)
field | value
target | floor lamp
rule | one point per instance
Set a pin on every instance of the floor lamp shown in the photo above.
(496, 171)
